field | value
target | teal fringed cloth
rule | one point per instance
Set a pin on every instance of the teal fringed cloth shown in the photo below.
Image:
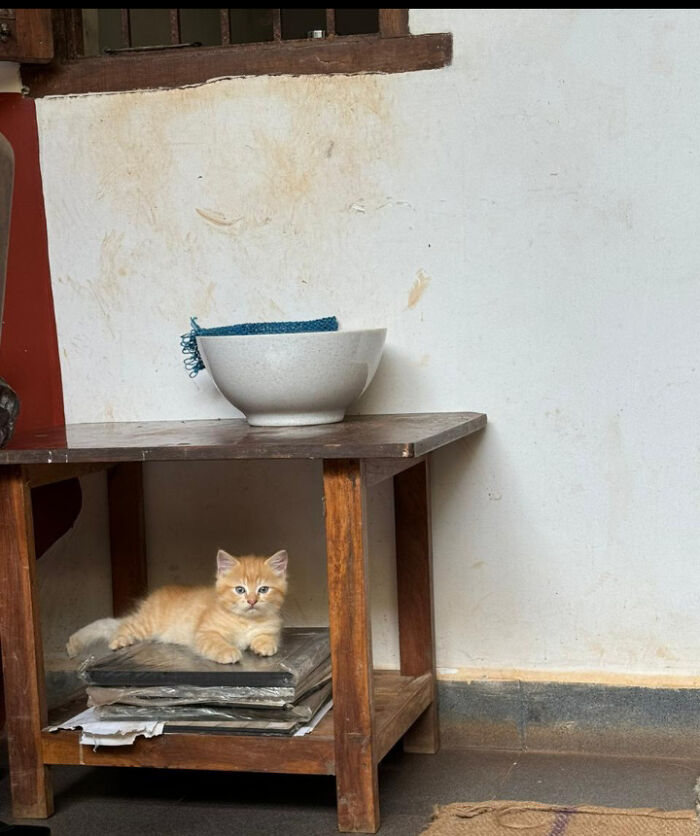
(193, 361)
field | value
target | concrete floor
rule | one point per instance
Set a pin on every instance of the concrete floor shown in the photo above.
(128, 802)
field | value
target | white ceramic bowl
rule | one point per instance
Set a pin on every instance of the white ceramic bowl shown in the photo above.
(286, 380)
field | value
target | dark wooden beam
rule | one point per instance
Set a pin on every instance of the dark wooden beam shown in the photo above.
(277, 24)
(127, 535)
(126, 28)
(377, 470)
(175, 36)
(330, 23)
(44, 474)
(132, 71)
(225, 21)
(29, 35)
(351, 647)
(393, 23)
(415, 595)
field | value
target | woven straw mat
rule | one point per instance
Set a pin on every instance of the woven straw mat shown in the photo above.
(517, 818)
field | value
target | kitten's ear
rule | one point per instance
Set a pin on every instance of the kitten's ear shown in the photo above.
(224, 562)
(278, 562)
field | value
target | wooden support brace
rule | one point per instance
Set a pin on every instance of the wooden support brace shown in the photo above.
(351, 647)
(22, 657)
(378, 470)
(127, 535)
(37, 475)
(415, 595)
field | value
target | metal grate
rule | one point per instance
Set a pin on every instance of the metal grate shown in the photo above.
(131, 30)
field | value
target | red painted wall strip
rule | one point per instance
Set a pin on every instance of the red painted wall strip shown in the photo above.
(29, 358)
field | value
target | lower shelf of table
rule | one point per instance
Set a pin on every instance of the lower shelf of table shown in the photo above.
(398, 702)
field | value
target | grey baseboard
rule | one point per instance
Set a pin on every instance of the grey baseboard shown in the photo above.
(543, 716)
(570, 717)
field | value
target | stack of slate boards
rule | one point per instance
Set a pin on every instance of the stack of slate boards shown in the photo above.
(259, 695)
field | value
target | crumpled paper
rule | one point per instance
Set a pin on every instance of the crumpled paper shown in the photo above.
(96, 732)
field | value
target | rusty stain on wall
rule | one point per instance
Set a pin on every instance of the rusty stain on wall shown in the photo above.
(418, 288)
(231, 226)
(208, 299)
(362, 206)
(112, 266)
(291, 172)
(217, 218)
(126, 161)
(178, 169)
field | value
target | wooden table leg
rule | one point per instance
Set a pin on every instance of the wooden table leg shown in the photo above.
(22, 653)
(127, 535)
(415, 595)
(351, 647)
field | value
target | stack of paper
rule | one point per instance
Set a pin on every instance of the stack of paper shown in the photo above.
(96, 732)
(151, 688)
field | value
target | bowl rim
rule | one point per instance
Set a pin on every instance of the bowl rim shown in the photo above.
(292, 334)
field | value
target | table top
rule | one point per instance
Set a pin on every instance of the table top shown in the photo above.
(358, 436)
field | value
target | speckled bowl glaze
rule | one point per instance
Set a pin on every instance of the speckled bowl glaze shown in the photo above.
(291, 380)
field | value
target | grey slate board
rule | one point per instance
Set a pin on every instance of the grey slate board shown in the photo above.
(301, 651)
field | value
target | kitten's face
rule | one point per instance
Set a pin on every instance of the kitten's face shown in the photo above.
(253, 587)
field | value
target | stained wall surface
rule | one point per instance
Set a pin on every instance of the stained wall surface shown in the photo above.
(523, 222)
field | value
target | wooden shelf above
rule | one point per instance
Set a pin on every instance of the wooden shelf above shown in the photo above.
(404, 436)
(399, 701)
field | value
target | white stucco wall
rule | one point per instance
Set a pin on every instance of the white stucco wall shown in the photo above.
(543, 192)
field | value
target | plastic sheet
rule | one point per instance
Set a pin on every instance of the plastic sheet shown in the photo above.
(302, 650)
(151, 674)
(173, 695)
(182, 717)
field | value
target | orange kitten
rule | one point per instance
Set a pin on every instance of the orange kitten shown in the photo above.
(219, 622)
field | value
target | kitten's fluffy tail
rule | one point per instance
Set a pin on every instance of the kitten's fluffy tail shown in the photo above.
(101, 630)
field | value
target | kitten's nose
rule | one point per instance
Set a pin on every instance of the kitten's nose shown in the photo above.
(252, 601)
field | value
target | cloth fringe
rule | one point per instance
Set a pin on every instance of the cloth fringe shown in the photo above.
(188, 342)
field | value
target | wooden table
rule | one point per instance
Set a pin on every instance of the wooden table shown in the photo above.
(372, 711)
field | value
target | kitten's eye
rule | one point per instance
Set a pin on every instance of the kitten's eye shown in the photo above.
(239, 590)
(263, 589)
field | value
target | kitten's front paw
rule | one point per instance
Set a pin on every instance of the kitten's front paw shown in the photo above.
(121, 640)
(264, 645)
(229, 656)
